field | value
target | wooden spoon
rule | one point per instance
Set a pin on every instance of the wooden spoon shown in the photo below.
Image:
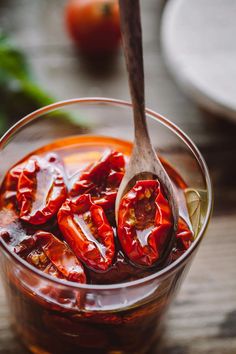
(144, 163)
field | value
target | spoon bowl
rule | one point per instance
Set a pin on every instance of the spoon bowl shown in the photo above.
(144, 163)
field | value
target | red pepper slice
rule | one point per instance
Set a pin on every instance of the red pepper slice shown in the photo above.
(85, 228)
(102, 180)
(144, 223)
(61, 257)
(41, 190)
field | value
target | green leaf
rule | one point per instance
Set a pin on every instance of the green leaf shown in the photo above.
(196, 201)
(12, 61)
(20, 94)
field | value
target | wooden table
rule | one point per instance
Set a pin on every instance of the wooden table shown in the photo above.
(203, 318)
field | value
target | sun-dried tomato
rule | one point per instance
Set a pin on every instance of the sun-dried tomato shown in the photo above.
(41, 189)
(120, 271)
(183, 240)
(60, 255)
(38, 258)
(184, 235)
(144, 223)
(85, 228)
(102, 180)
(24, 246)
(9, 188)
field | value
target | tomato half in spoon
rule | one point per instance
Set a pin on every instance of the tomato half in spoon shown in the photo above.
(144, 223)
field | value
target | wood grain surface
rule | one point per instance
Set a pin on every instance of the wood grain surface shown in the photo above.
(203, 317)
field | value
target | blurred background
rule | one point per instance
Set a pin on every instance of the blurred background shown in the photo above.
(189, 56)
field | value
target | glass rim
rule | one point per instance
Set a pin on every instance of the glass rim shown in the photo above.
(161, 274)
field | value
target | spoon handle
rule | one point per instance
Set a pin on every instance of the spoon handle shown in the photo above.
(132, 40)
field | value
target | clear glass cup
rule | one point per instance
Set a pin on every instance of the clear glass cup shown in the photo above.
(120, 318)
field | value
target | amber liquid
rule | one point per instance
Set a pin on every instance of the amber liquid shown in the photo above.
(69, 326)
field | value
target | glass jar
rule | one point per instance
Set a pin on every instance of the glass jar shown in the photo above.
(120, 318)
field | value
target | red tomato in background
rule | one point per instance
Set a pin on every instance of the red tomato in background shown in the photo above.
(94, 25)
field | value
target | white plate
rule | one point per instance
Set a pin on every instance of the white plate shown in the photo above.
(199, 44)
